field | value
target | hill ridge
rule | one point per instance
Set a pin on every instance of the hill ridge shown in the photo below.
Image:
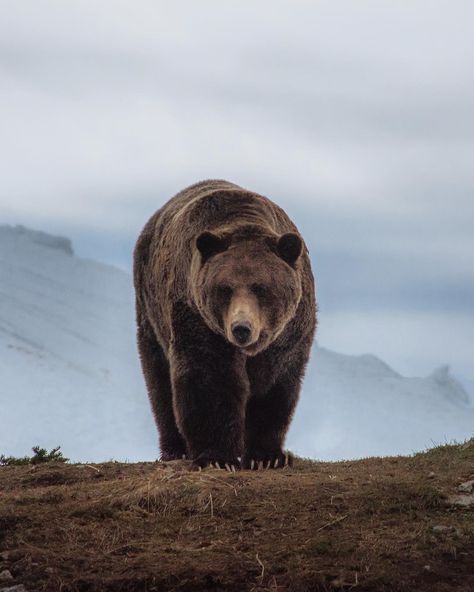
(394, 524)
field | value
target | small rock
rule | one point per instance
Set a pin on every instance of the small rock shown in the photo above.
(4, 555)
(466, 487)
(5, 575)
(17, 588)
(431, 475)
(462, 500)
(427, 567)
(440, 528)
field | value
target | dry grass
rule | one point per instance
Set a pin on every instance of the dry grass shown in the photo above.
(363, 526)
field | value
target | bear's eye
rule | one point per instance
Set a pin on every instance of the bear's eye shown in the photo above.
(259, 290)
(224, 291)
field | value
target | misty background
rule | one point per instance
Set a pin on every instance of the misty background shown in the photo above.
(356, 117)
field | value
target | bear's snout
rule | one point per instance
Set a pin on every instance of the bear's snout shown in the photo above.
(242, 321)
(242, 330)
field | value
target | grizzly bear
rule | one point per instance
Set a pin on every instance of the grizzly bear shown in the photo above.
(226, 315)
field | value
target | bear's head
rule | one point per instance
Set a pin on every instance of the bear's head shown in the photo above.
(247, 286)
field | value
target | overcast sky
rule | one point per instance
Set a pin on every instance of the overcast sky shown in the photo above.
(355, 116)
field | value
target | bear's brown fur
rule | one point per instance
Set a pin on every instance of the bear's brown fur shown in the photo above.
(226, 315)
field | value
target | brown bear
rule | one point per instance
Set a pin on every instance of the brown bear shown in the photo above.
(226, 315)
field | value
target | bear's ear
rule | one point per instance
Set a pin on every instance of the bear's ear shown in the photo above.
(289, 247)
(209, 244)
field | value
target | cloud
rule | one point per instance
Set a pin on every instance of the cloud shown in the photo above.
(355, 117)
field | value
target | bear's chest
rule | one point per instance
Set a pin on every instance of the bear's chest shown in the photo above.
(263, 371)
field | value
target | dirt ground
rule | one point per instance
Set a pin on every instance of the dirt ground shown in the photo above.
(379, 524)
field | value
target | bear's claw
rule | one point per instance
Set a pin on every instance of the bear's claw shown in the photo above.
(205, 462)
(278, 460)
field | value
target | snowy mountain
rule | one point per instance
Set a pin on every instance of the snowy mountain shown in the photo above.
(358, 407)
(68, 363)
(69, 372)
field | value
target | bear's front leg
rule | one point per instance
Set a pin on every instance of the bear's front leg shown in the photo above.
(210, 392)
(268, 417)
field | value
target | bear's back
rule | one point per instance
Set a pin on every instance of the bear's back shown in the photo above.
(219, 205)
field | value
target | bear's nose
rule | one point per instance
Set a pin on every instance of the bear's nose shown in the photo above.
(241, 330)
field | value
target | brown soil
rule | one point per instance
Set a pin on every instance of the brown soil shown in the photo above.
(363, 525)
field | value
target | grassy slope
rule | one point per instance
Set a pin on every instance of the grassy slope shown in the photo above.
(362, 525)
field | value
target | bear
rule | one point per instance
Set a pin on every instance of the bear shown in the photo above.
(226, 315)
